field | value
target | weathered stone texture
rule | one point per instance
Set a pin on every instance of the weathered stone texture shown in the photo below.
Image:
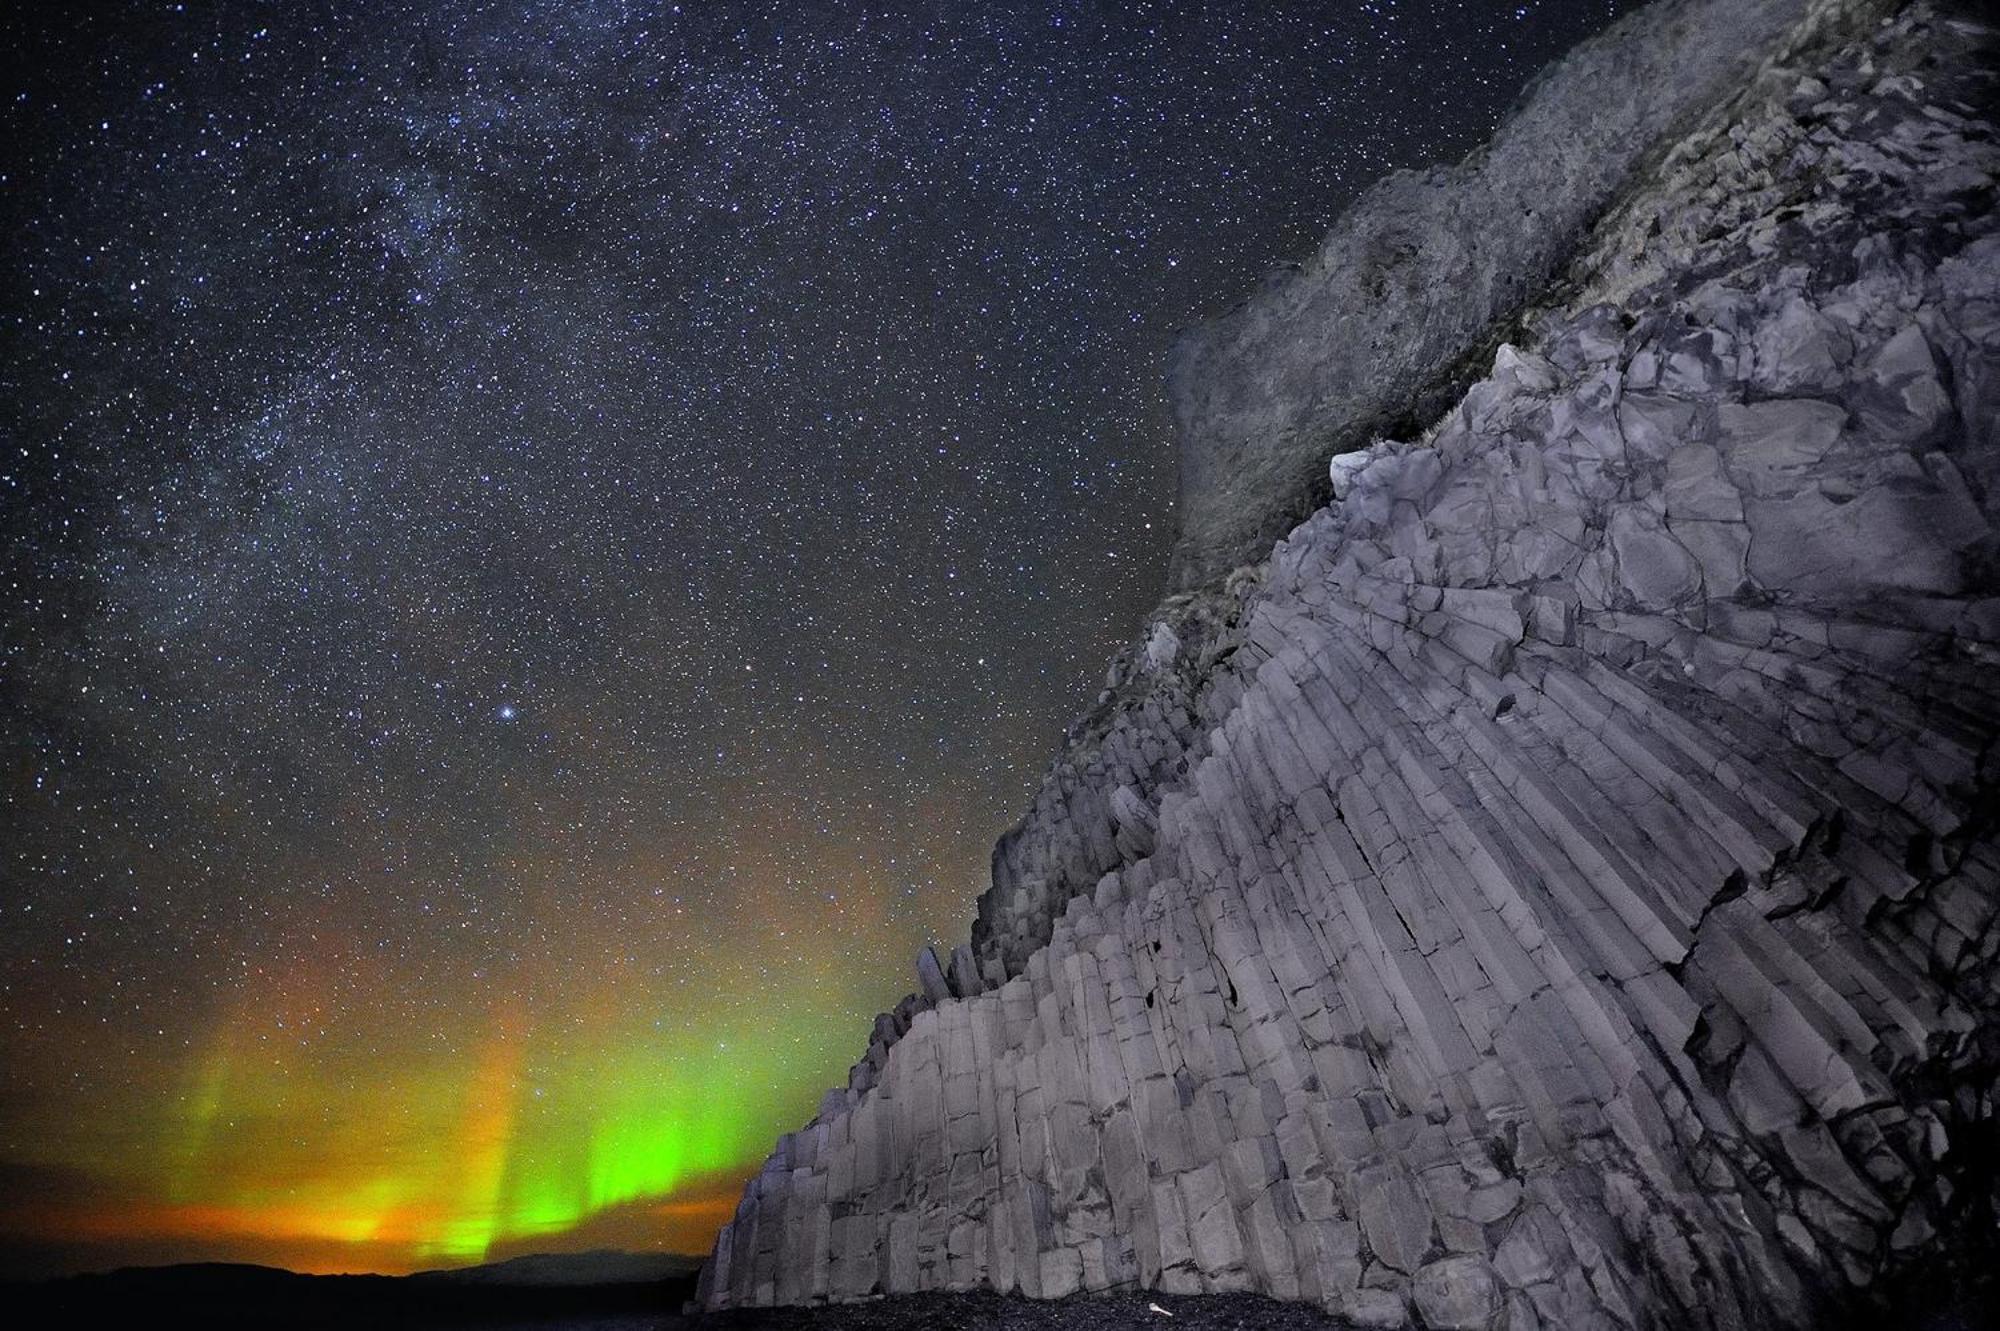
(1422, 270)
(1556, 888)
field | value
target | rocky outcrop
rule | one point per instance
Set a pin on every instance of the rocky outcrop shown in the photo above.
(1557, 886)
(1378, 329)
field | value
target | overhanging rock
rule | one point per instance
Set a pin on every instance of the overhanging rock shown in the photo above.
(1379, 328)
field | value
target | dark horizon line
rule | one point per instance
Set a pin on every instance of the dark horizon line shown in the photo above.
(438, 1274)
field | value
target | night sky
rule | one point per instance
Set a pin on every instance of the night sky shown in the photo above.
(540, 544)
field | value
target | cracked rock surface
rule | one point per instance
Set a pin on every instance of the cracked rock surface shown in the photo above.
(1557, 886)
(1375, 327)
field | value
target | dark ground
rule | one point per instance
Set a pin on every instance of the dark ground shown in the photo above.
(245, 1296)
(1947, 1297)
(992, 1312)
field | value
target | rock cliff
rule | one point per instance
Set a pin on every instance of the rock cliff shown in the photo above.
(1556, 885)
(1382, 327)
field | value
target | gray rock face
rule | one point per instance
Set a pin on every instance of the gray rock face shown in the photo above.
(1373, 331)
(1556, 887)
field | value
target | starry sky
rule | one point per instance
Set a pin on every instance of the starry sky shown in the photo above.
(540, 544)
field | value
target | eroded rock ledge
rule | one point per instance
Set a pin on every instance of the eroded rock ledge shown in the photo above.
(1557, 886)
(1379, 329)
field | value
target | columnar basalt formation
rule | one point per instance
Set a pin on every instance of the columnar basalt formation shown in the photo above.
(1557, 886)
(1377, 328)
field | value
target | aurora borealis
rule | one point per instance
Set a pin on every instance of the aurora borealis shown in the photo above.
(542, 543)
(295, 1131)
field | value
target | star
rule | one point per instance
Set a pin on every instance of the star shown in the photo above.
(757, 381)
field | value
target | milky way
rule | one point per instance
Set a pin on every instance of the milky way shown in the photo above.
(543, 542)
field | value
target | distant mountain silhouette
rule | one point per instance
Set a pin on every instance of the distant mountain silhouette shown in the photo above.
(591, 1289)
(600, 1266)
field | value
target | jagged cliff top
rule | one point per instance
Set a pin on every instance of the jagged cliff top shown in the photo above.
(1400, 306)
